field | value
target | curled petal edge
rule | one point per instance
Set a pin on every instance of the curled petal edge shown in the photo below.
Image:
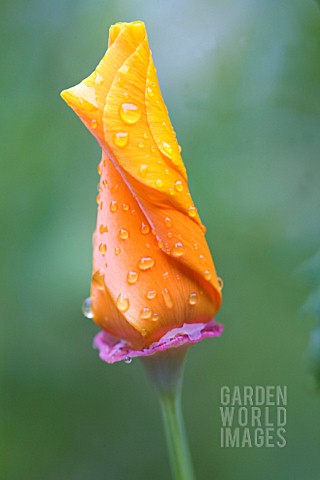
(112, 350)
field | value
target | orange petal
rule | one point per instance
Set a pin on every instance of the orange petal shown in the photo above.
(149, 236)
(151, 291)
(88, 98)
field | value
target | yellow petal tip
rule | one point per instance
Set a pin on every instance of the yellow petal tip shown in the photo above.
(137, 28)
(114, 31)
(82, 99)
(66, 96)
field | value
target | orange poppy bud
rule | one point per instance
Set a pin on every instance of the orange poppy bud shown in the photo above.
(152, 269)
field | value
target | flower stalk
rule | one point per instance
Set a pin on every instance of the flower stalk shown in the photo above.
(165, 370)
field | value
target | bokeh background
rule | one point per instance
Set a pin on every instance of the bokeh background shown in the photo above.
(241, 79)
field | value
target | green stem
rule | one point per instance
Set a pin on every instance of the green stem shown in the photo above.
(176, 438)
(166, 370)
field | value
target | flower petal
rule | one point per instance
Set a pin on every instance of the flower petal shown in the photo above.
(112, 350)
(152, 269)
(153, 292)
(88, 98)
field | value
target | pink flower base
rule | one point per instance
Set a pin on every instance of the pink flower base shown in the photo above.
(113, 350)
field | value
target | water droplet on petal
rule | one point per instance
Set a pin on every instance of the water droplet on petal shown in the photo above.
(145, 313)
(168, 222)
(171, 191)
(86, 308)
(159, 183)
(117, 251)
(155, 317)
(94, 123)
(220, 282)
(144, 332)
(167, 298)
(123, 234)
(129, 113)
(145, 263)
(145, 228)
(207, 274)
(180, 148)
(124, 69)
(102, 248)
(169, 234)
(151, 294)
(132, 277)
(121, 139)
(149, 91)
(153, 148)
(122, 303)
(113, 206)
(167, 148)
(103, 229)
(125, 207)
(145, 135)
(193, 298)
(178, 249)
(143, 170)
(192, 212)
(140, 144)
(178, 185)
(128, 360)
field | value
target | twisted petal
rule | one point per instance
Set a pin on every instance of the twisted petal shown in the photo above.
(152, 269)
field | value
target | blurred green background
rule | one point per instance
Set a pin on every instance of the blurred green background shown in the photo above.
(241, 79)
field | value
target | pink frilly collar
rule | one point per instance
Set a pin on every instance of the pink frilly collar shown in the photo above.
(112, 350)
